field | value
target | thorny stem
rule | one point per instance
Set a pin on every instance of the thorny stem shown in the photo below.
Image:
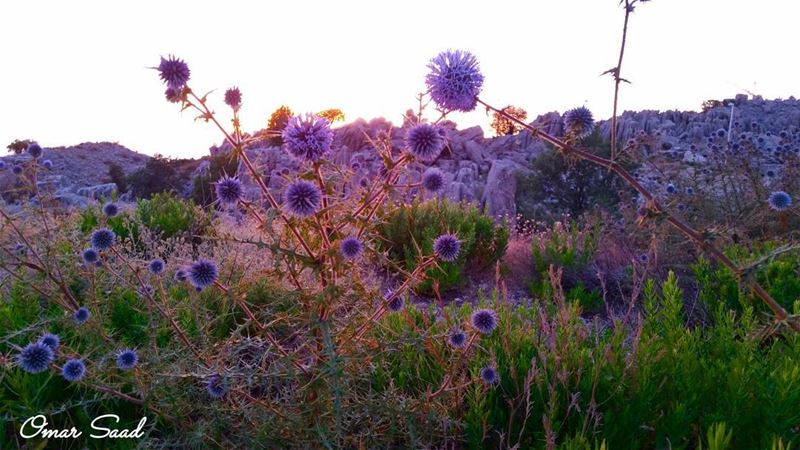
(616, 72)
(655, 206)
(237, 145)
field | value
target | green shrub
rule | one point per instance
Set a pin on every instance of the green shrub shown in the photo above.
(776, 271)
(570, 248)
(122, 224)
(170, 216)
(160, 174)
(418, 224)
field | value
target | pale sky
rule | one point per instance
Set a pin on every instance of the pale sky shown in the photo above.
(76, 71)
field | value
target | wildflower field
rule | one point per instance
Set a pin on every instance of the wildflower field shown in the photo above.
(643, 301)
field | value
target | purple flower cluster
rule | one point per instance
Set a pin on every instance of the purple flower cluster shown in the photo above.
(111, 209)
(174, 72)
(229, 190)
(233, 98)
(73, 370)
(302, 198)
(484, 321)
(127, 359)
(779, 201)
(103, 238)
(351, 247)
(308, 137)
(447, 247)
(454, 80)
(579, 122)
(156, 266)
(433, 180)
(425, 142)
(81, 315)
(202, 273)
(35, 357)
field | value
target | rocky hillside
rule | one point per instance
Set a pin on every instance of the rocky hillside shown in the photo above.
(479, 169)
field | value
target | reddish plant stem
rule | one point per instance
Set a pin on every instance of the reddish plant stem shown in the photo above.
(654, 204)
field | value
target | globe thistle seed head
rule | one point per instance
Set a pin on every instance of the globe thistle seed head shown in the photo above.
(689, 191)
(770, 173)
(433, 180)
(302, 198)
(455, 80)
(457, 338)
(779, 201)
(351, 247)
(90, 256)
(156, 266)
(51, 340)
(216, 386)
(308, 138)
(103, 238)
(81, 315)
(671, 189)
(127, 359)
(229, 190)
(174, 72)
(681, 207)
(484, 321)
(425, 142)
(579, 122)
(180, 275)
(233, 98)
(396, 303)
(35, 150)
(173, 95)
(644, 258)
(447, 247)
(35, 357)
(73, 370)
(111, 209)
(489, 375)
(47, 164)
(721, 133)
(202, 273)
(16, 169)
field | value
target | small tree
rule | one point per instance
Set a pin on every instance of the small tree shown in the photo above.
(19, 145)
(117, 176)
(277, 122)
(333, 115)
(503, 126)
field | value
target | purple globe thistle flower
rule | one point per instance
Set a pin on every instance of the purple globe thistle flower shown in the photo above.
(229, 190)
(489, 375)
(173, 95)
(81, 315)
(447, 247)
(425, 142)
(47, 164)
(433, 180)
(180, 275)
(689, 191)
(127, 359)
(111, 209)
(396, 303)
(174, 72)
(454, 80)
(484, 321)
(721, 133)
(644, 258)
(579, 122)
(35, 357)
(302, 198)
(457, 338)
(2, 165)
(16, 169)
(671, 189)
(233, 98)
(156, 266)
(779, 200)
(202, 273)
(351, 247)
(35, 150)
(90, 256)
(103, 238)
(73, 370)
(51, 340)
(216, 386)
(308, 137)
